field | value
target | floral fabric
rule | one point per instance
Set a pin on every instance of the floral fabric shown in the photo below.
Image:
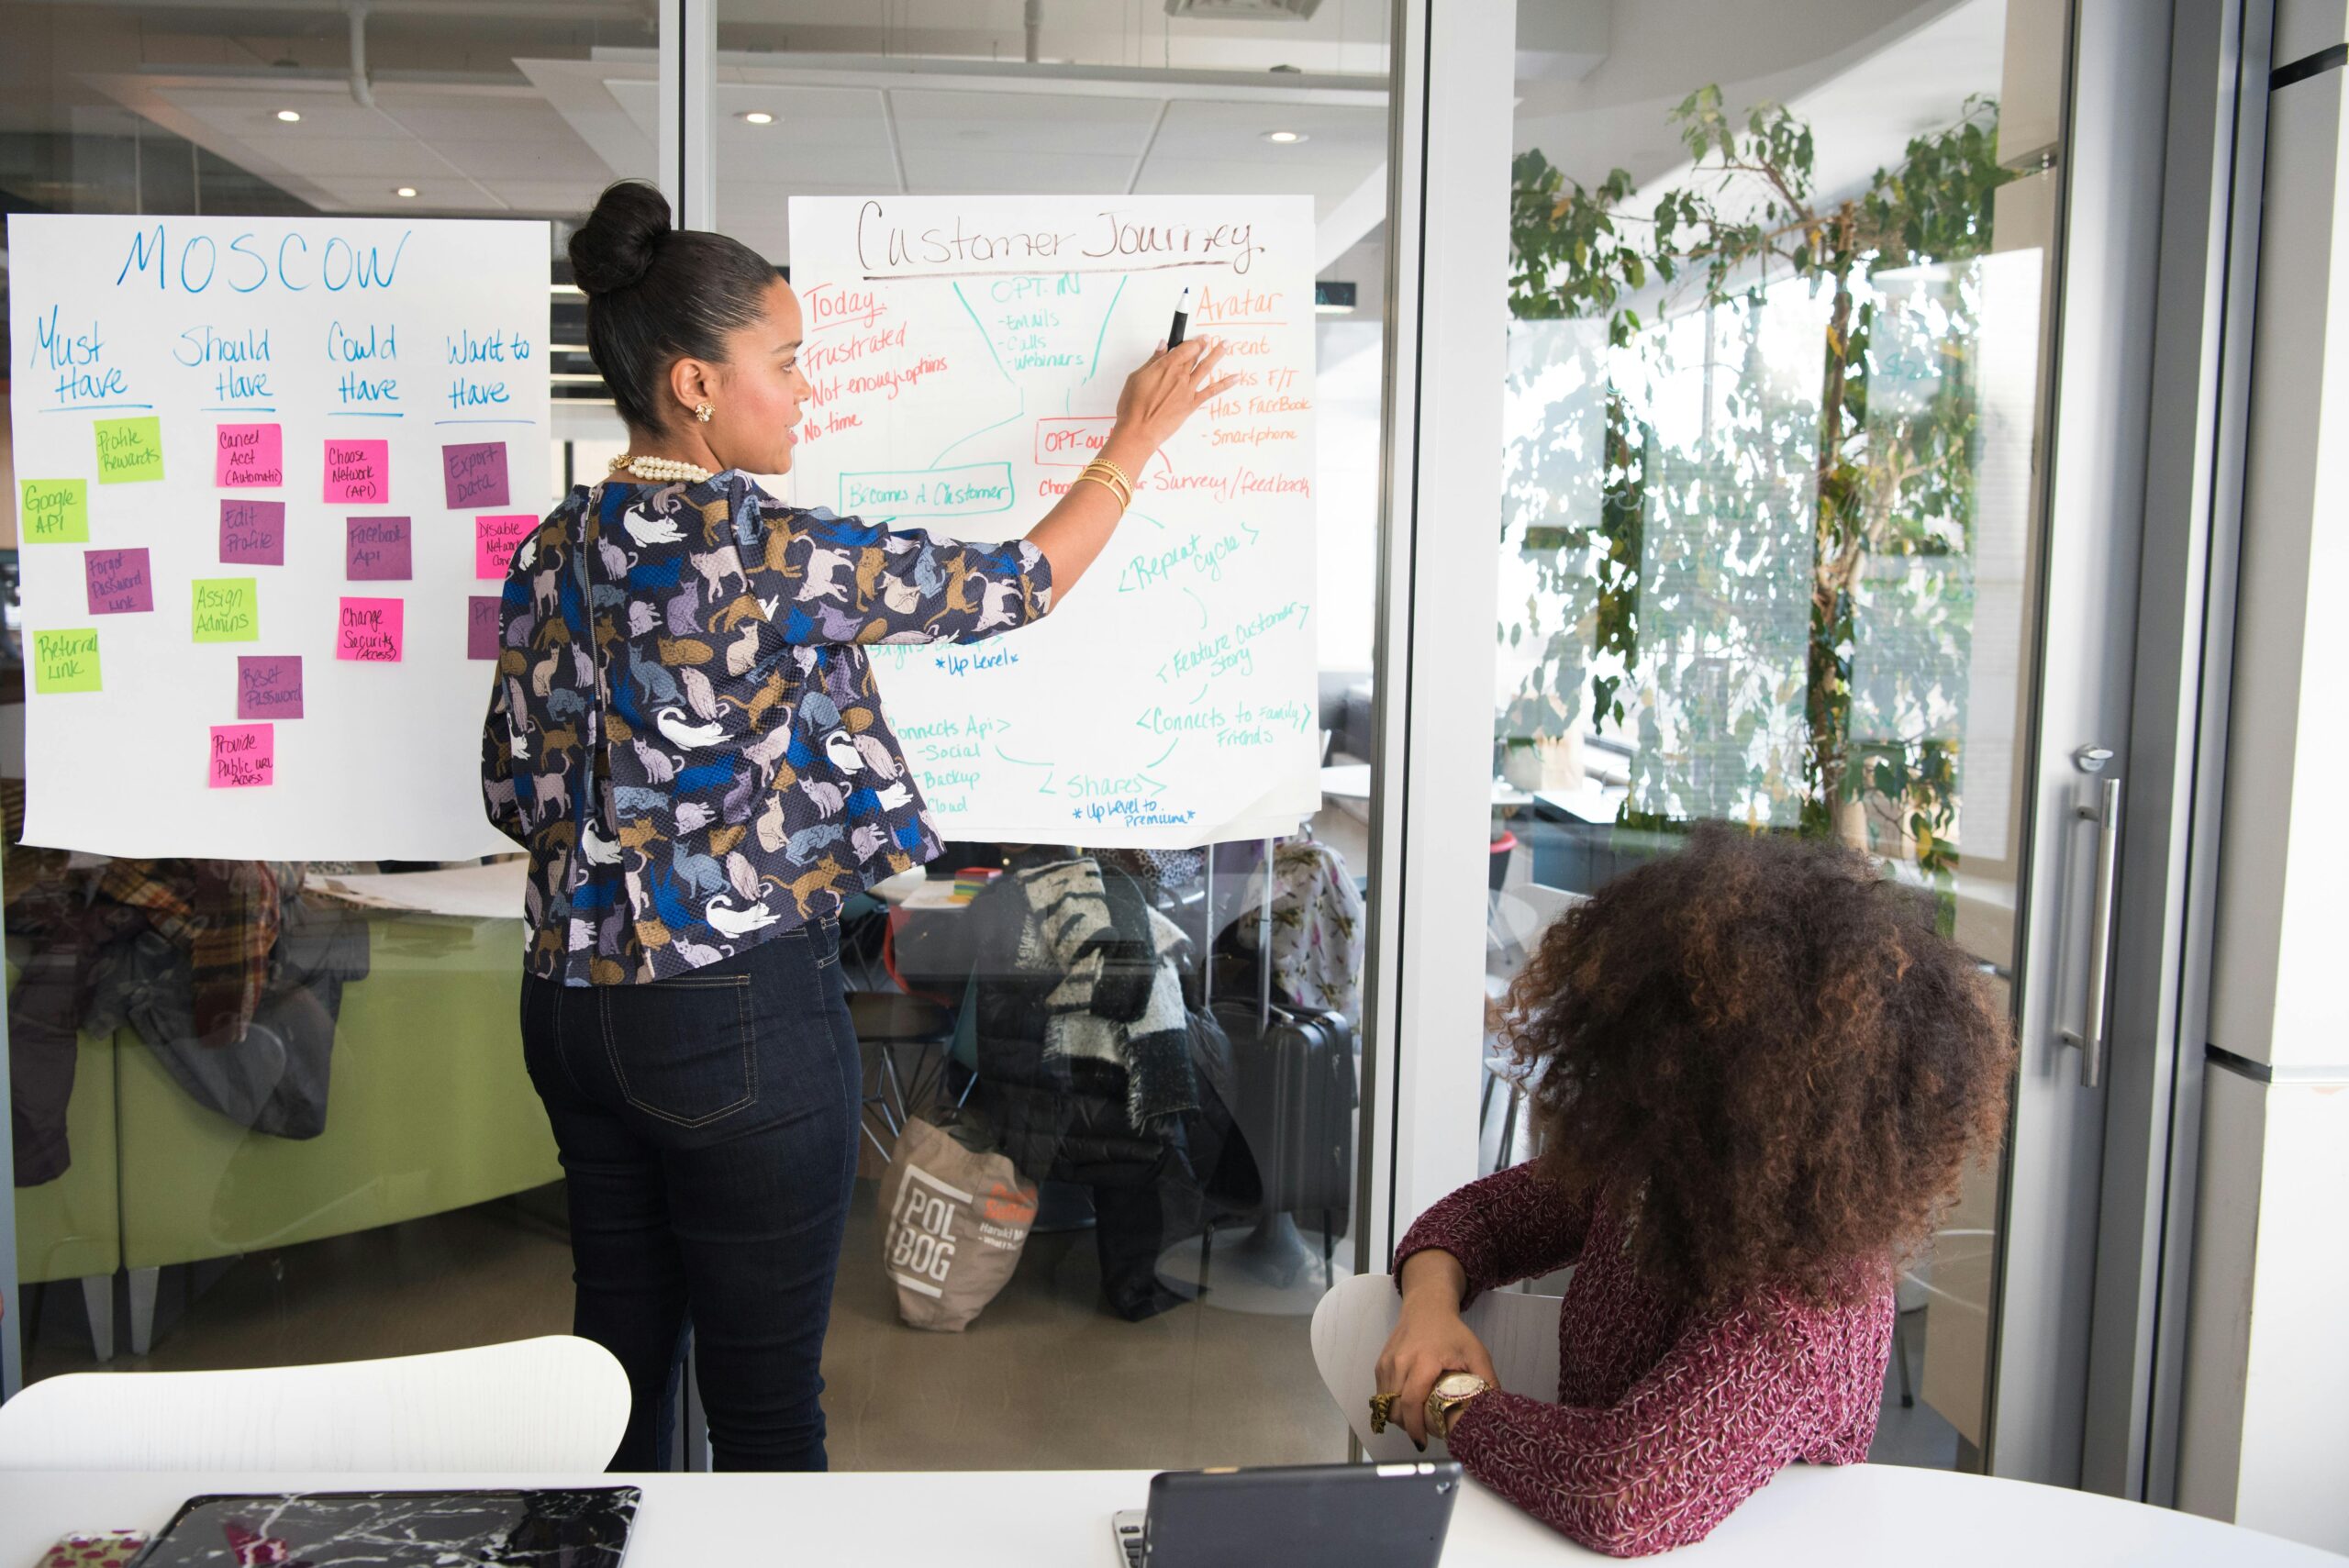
(684, 732)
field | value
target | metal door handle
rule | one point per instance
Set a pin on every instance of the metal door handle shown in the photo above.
(2090, 1038)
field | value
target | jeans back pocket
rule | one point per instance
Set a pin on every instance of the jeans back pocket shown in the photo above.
(682, 1048)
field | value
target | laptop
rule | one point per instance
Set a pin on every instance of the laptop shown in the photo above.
(1313, 1516)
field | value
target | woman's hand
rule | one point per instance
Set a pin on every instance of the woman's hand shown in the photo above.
(1169, 389)
(1429, 1339)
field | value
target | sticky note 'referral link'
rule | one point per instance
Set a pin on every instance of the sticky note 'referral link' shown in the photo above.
(66, 661)
(358, 474)
(495, 538)
(369, 631)
(129, 450)
(269, 686)
(481, 625)
(247, 455)
(244, 756)
(53, 511)
(252, 533)
(474, 474)
(118, 580)
(228, 609)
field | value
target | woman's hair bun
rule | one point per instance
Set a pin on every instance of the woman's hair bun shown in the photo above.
(614, 249)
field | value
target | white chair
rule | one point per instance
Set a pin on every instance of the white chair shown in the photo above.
(551, 1405)
(1351, 1324)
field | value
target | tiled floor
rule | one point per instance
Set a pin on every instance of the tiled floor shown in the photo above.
(1044, 1378)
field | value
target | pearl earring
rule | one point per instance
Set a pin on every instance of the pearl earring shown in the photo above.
(702, 411)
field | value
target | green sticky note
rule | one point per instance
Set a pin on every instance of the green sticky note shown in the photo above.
(53, 511)
(228, 609)
(130, 449)
(66, 661)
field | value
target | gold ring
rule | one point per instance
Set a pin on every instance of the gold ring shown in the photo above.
(1382, 1410)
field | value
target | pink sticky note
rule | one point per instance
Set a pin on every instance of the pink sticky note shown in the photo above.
(247, 454)
(244, 756)
(495, 537)
(377, 549)
(475, 475)
(269, 686)
(481, 625)
(369, 631)
(359, 473)
(118, 581)
(252, 533)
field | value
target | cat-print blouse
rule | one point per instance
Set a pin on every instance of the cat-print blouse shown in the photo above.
(686, 734)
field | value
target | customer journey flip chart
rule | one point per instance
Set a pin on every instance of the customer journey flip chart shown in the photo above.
(269, 473)
(966, 354)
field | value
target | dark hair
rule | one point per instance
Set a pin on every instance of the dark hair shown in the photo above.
(1762, 1049)
(657, 295)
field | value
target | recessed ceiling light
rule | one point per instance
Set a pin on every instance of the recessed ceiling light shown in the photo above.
(1284, 136)
(289, 116)
(404, 190)
(756, 116)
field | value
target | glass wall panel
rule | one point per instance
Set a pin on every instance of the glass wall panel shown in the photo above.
(1158, 1313)
(1778, 319)
(271, 1111)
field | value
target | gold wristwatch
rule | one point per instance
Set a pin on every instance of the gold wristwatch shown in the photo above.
(1453, 1393)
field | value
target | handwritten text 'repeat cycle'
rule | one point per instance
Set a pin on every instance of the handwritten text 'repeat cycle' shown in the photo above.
(1114, 240)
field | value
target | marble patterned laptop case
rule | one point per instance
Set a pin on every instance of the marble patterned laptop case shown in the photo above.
(569, 1529)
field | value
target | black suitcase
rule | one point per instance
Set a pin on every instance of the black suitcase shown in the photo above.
(1293, 1098)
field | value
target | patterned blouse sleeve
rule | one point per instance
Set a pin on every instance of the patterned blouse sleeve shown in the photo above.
(843, 580)
(1741, 1394)
(1508, 1226)
(497, 788)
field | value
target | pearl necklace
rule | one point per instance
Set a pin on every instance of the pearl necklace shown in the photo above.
(659, 468)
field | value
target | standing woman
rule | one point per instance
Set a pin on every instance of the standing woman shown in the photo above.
(685, 735)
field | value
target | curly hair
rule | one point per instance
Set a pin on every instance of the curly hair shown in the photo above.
(1765, 1051)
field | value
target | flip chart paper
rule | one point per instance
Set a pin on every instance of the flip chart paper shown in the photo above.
(495, 537)
(369, 631)
(333, 329)
(358, 472)
(227, 609)
(117, 581)
(252, 533)
(966, 355)
(244, 756)
(53, 511)
(269, 686)
(66, 661)
(473, 475)
(481, 625)
(129, 450)
(378, 550)
(247, 456)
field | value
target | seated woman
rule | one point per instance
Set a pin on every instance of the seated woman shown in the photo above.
(1761, 1077)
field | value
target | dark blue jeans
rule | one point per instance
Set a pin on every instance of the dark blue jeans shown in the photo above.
(707, 1127)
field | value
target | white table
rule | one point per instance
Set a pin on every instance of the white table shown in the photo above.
(1870, 1515)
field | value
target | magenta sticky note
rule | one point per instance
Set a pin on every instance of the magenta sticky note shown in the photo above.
(252, 533)
(269, 686)
(475, 475)
(377, 549)
(359, 474)
(481, 625)
(495, 537)
(118, 581)
(244, 756)
(245, 455)
(369, 631)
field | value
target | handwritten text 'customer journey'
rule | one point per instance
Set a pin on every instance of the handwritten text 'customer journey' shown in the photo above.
(966, 355)
(269, 473)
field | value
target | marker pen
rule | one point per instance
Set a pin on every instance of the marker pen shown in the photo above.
(1182, 317)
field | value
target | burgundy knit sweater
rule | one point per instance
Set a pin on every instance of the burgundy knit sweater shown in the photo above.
(1666, 1418)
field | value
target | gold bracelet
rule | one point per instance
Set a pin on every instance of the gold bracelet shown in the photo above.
(1116, 473)
(1109, 477)
(1103, 481)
